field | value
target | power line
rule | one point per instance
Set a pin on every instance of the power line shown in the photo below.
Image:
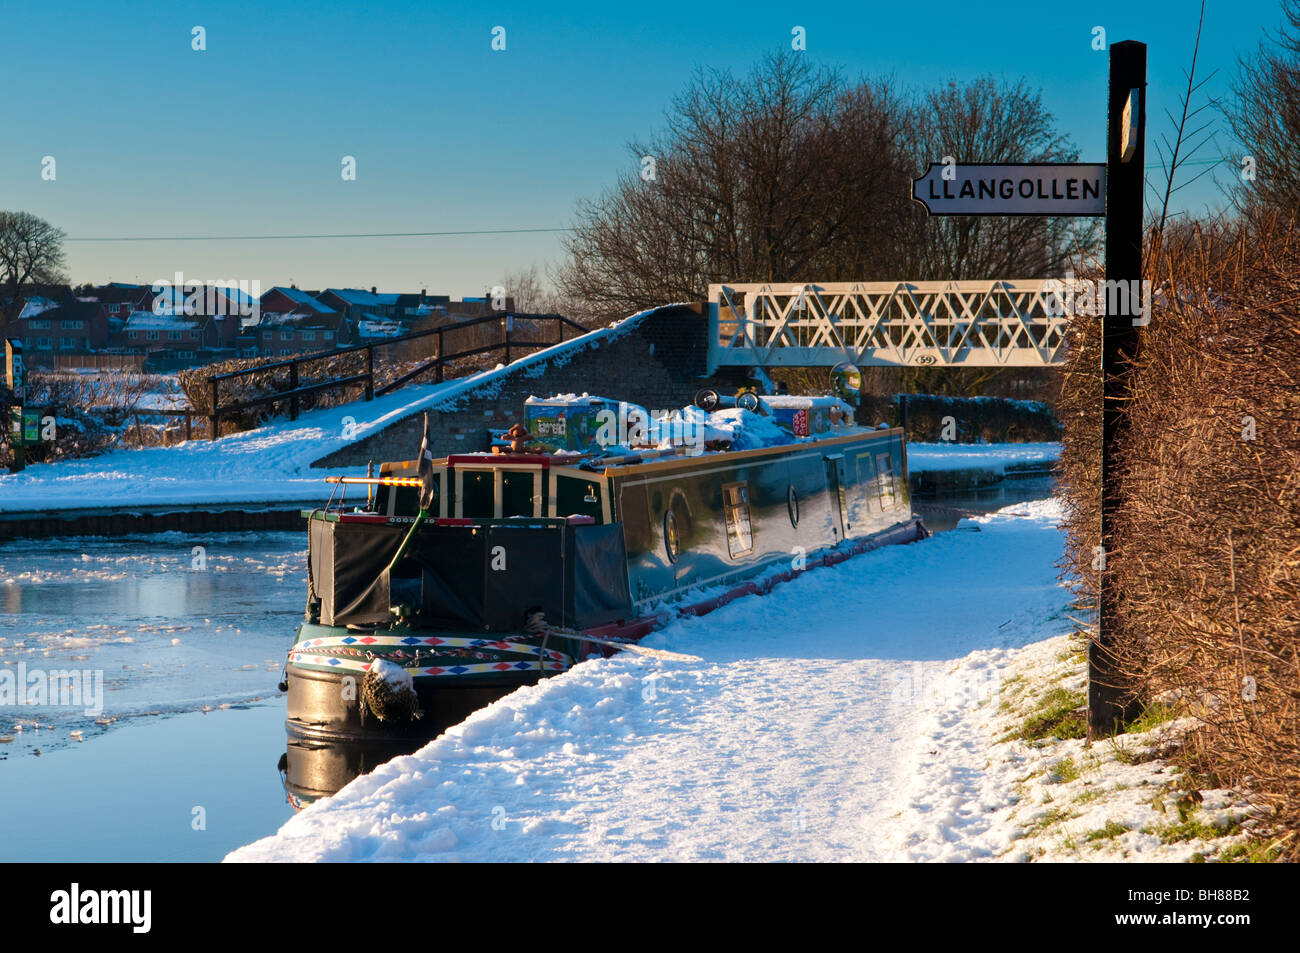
(265, 238)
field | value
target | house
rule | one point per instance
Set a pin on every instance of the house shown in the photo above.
(475, 308)
(285, 300)
(77, 327)
(182, 334)
(355, 303)
(119, 299)
(227, 306)
(294, 332)
(413, 307)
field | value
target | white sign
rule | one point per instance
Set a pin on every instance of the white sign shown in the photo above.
(1031, 189)
(1128, 135)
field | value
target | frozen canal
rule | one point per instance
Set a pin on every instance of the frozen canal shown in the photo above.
(176, 641)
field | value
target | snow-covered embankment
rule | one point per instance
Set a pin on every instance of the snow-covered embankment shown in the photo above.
(798, 737)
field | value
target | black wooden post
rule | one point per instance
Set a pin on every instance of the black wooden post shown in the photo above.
(506, 321)
(370, 372)
(215, 413)
(189, 426)
(293, 387)
(1125, 155)
(438, 366)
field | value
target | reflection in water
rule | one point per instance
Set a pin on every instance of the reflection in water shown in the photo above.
(942, 511)
(311, 769)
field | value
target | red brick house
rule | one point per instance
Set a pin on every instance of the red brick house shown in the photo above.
(281, 300)
(183, 334)
(77, 327)
(285, 334)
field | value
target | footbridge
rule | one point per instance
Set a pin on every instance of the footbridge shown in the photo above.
(997, 323)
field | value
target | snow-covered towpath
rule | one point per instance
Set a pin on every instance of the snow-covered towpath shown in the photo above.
(798, 737)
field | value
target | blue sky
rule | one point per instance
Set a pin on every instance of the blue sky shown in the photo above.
(246, 138)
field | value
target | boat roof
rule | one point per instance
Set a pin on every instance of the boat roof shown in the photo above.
(639, 460)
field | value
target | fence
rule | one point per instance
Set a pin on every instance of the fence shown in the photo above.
(366, 379)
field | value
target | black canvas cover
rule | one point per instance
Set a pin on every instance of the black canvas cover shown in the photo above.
(346, 559)
(485, 577)
(598, 564)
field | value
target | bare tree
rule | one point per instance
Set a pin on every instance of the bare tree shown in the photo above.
(1174, 155)
(792, 174)
(527, 289)
(990, 121)
(1266, 118)
(31, 251)
(787, 175)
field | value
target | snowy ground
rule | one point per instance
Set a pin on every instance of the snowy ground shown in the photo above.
(979, 792)
(271, 464)
(859, 713)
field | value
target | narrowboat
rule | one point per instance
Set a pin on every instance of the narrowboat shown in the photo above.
(455, 581)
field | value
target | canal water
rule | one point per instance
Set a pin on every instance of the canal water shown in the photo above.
(174, 747)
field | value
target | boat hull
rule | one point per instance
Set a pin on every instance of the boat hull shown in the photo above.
(322, 707)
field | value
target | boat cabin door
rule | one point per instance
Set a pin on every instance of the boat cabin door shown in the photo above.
(836, 486)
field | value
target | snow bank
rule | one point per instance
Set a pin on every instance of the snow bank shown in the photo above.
(796, 738)
(271, 464)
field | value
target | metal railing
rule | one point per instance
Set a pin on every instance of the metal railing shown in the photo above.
(437, 364)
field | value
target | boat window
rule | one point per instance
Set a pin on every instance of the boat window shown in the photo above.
(735, 501)
(792, 505)
(866, 478)
(672, 537)
(886, 468)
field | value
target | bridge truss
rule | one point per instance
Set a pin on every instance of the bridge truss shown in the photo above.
(1002, 323)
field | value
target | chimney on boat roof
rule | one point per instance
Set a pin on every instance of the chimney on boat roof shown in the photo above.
(374, 290)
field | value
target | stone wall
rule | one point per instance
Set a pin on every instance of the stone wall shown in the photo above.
(659, 362)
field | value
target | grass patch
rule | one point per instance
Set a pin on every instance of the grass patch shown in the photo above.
(1111, 830)
(1056, 716)
(1055, 816)
(1089, 795)
(1064, 771)
(1250, 852)
(1154, 716)
(1193, 829)
(1122, 752)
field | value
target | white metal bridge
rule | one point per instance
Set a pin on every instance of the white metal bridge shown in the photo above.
(1002, 323)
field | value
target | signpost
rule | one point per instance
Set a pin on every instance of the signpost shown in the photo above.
(1026, 189)
(1125, 157)
(1113, 190)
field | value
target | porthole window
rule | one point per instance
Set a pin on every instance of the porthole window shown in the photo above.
(792, 504)
(672, 540)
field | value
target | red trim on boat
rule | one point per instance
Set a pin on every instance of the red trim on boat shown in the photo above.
(499, 459)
